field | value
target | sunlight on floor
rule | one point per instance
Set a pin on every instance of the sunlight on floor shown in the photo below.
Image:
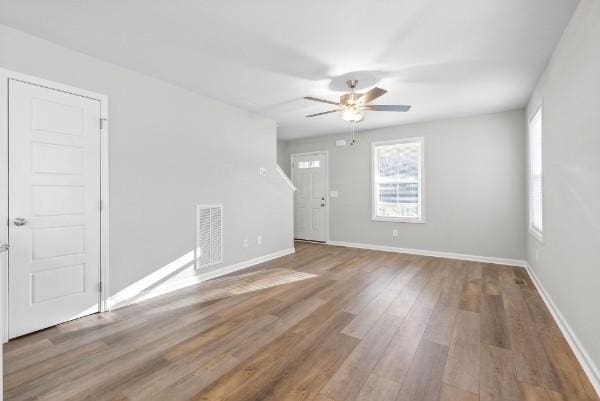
(153, 284)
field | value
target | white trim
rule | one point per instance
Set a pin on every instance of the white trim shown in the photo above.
(437, 254)
(105, 202)
(5, 75)
(4, 202)
(585, 360)
(138, 292)
(398, 219)
(285, 177)
(421, 218)
(327, 198)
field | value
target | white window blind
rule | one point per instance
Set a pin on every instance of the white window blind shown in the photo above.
(397, 180)
(209, 235)
(535, 175)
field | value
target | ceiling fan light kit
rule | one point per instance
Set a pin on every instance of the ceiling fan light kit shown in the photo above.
(353, 114)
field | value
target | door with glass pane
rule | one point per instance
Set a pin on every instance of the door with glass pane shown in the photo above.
(309, 174)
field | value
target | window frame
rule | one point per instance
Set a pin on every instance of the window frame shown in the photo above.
(534, 231)
(421, 181)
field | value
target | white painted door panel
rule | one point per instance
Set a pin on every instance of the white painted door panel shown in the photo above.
(309, 176)
(54, 184)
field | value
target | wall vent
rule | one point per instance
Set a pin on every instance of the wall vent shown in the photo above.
(209, 235)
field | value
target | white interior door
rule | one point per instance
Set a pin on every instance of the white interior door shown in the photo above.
(309, 174)
(54, 207)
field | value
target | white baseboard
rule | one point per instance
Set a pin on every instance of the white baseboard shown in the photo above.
(447, 255)
(585, 360)
(124, 298)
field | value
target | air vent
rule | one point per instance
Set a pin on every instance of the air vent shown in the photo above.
(209, 235)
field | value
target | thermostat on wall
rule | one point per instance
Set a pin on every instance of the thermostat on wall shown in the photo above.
(340, 142)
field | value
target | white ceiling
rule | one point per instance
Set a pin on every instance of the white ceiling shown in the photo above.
(446, 58)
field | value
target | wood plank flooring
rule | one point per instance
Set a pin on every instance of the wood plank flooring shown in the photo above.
(324, 324)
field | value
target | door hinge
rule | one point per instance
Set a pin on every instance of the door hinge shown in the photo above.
(100, 286)
(103, 122)
(101, 204)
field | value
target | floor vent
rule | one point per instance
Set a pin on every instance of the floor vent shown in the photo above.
(209, 235)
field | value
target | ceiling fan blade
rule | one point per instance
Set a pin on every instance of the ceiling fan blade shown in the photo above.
(387, 107)
(371, 95)
(314, 99)
(320, 114)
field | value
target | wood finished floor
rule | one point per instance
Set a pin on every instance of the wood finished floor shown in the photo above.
(324, 324)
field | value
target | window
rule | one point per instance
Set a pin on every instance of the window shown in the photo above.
(310, 164)
(535, 175)
(397, 180)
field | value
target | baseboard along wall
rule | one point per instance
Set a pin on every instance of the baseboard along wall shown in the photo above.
(586, 362)
(437, 254)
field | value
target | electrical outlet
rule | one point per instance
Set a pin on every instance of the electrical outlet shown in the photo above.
(394, 233)
(259, 240)
(245, 243)
(262, 171)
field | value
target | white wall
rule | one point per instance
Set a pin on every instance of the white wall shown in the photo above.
(170, 149)
(474, 193)
(567, 263)
(282, 158)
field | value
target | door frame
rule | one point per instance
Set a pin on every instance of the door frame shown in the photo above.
(327, 198)
(5, 76)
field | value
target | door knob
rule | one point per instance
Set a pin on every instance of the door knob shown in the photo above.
(4, 247)
(322, 205)
(19, 221)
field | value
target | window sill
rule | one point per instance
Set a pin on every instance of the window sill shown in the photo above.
(398, 219)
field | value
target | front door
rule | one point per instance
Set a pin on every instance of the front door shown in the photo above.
(309, 174)
(54, 207)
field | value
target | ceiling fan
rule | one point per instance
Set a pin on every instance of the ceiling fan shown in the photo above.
(353, 105)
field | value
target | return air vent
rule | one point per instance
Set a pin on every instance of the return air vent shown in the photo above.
(209, 235)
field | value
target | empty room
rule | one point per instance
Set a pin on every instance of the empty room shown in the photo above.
(376, 200)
